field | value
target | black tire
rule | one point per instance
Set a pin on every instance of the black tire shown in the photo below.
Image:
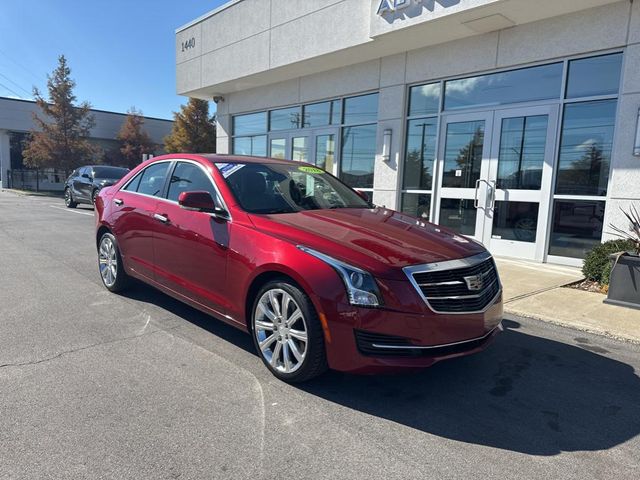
(94, 194)
(314, 362)
(68, 199)
(121, 280)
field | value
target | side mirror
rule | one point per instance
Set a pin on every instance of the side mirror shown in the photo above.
(200, 201)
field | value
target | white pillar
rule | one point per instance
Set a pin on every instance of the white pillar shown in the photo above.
(5, 157)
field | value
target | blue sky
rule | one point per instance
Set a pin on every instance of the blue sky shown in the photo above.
(121, 52)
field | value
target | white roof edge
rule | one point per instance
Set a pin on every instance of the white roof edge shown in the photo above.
(213, 12)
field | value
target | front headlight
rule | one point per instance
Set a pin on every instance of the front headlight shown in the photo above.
(362, 289)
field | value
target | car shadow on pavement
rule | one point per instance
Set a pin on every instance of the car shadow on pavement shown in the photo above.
(525, 393)
(147, 294)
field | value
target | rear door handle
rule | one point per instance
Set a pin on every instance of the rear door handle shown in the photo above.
(161, 218)
(118, 202)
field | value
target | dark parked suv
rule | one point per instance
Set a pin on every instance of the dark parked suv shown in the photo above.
(84, 183)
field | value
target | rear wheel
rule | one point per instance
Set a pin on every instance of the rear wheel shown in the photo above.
(287, 332)
(68, 199)
(110, 264)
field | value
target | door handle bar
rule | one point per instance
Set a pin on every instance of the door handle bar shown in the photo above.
(161, 218)
(118, 202)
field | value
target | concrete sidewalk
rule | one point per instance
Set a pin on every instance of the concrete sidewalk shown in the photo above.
(536, 290)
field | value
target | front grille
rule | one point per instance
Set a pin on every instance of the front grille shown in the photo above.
(447, 290)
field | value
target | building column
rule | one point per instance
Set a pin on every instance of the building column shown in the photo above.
(386, 171)
(5, 158)
(223, 128)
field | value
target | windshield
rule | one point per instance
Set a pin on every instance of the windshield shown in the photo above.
(115, 173)
(282, 188)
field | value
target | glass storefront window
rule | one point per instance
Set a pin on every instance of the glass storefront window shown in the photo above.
(577, 227)
(421, 154)
(336, 112)
(316, 115)
(585, 148)
(459, 215)
(284, 119)
(362, 109)
(463, 154)
(325, 152)
(594, 76)
(524, 85)
(358, 155)
(299, 153)
(424, 100)
(250, 123)
(278, 148)
(417, 205)
(255, 146)
(522, 147)
(515, 221)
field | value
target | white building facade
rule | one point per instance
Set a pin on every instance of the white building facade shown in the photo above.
(511, 121)
(16, 120)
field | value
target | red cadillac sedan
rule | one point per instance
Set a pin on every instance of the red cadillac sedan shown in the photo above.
(283, 250)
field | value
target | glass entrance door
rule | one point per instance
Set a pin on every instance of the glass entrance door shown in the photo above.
(495, 174)
(520, 175)
(318, 147)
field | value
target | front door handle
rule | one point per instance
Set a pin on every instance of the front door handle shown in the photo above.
(118, 202)
(161, 218)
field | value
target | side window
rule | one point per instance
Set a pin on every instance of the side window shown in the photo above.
(188, 177)
(132, 186)
(153, 178)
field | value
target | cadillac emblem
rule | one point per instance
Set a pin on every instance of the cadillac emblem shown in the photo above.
(475, 283)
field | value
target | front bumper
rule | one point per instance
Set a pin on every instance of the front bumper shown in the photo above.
(383, 340)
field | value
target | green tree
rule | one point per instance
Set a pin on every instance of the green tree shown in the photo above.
(134, 140)
(60, 139)
(194, 130)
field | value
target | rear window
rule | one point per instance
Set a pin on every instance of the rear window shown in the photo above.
(115, 173)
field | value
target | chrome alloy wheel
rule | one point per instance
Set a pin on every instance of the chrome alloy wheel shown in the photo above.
(67, 197)
(281, 331)
(108, 261)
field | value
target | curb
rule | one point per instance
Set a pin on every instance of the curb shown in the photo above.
(575, 326)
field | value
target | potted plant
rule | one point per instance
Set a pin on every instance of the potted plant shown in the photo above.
(624, 282)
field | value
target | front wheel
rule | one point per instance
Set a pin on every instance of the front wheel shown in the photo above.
(68, 199)
(110, 264)
(287, 332)
(94, 195)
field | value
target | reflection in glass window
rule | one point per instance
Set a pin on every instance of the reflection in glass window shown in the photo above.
(316, 115)
(284, 119)
(300, 153)
(325, 152)
(188, 177)
(336, 112)
(585, 148)
(459, 215)
(278, 148)
(594, 76)
(249, 124)
(358, 156)
(524, 85)
(256, 146)
(362, 109)
(577, 227)
(417, 205)
(463, 154)
(522, 147)
(424, 99)
(515, 221)
(421, 153)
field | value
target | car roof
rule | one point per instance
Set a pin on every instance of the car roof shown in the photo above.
(220, 158)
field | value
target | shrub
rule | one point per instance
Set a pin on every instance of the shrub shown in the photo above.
(597, 266)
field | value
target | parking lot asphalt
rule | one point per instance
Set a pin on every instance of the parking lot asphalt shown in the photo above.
(98, 385)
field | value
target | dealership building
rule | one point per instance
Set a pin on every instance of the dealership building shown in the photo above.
(512, 121)
(16, 121)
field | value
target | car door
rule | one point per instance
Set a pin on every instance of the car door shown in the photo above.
(78, 184)
(190, 247)
(134, 206)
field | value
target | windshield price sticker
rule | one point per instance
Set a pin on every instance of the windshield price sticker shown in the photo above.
(227, 169)
(306, 169)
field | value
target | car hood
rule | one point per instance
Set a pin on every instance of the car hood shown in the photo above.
(379, 240)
